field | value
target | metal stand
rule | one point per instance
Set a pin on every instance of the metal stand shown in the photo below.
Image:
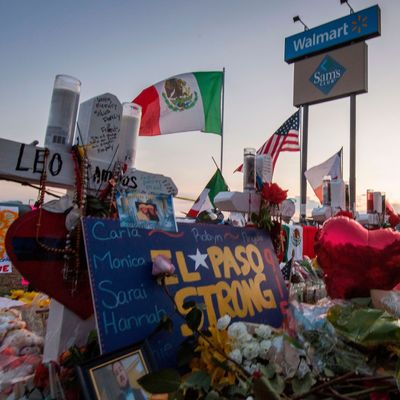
(303, 181)
(353, 153)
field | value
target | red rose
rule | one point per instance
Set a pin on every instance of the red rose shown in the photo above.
(41, 378)
(273, 193)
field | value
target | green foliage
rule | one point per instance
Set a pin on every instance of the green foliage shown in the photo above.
(164, 381)
(301, 386)
(77, 355)
(262, 219)
(199, 380)
(277, 384)
(263, 390)
(212, 395)
(367, 327)
(193, 318)
(186, 351)
(97, 208)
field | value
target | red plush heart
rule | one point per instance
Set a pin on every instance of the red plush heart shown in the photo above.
(356, 260)
(43, 269)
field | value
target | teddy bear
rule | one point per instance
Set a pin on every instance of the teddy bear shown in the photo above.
(10, 320)
(22, 342)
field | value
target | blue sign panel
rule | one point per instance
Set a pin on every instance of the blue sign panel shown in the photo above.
(362, 25)
(327, 74)
(231, 270)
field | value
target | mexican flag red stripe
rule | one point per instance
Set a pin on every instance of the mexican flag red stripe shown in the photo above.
(182, 103)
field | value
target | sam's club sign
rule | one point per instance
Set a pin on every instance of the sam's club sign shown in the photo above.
(327, 74)
(362, 25)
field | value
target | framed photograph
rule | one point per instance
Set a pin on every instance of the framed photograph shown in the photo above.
(148, 211)
(114, 376)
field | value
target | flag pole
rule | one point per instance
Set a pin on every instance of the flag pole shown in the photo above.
(303, 181)
(341, 162)
(222, 118)
(216, 163)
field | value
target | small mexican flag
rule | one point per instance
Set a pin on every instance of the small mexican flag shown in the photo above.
(206, 199)
(182, 103)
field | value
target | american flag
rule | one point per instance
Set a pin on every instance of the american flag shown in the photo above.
(286, 269)
(286, 138)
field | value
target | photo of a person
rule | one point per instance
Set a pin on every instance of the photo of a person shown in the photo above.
(122, 378)
(152, 212)
(142, 213)
(115, 376)
(147, 212)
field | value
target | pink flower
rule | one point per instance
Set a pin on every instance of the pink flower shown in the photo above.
(162, 265)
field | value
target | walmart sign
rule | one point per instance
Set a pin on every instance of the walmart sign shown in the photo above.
(362, 25)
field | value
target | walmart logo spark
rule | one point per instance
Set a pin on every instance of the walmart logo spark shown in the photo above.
(359, 23)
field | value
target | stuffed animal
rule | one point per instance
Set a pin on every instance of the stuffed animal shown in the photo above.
(23, 342)
(10, 320)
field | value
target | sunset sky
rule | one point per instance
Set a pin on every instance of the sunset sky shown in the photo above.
(123, 46)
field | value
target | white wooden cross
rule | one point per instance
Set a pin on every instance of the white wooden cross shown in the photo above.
(99, 127)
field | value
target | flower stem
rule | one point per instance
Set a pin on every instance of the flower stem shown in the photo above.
(324, 385)
(201, 334)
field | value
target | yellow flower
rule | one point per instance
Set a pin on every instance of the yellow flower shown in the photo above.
(213, 352)
(44, 303)
(16, 294)
(30, 295)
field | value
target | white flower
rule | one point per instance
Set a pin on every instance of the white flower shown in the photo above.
(251, 350)
(265, 345)
(236, 355)
(237, 331)
(250, 398)
(277, 343)
(223, 322)
(263, 331)
(251, 367)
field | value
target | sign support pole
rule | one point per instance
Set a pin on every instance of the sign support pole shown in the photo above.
(303, 181)
(353, 152)
(222, 119)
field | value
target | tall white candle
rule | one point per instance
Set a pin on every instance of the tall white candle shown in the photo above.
(130, 124)
(63, 111)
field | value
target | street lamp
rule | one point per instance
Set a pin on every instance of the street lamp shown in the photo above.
(298, 19)
(347, 2)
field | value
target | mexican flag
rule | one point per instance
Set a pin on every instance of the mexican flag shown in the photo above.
(206, 199)
(332, 167)
(182, 103)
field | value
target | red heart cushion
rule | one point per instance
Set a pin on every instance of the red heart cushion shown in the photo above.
(43, 269)
(356, 260)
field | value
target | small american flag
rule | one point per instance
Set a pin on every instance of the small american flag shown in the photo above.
(286, 138)
(286, 269)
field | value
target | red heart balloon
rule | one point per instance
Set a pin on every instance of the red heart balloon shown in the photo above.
(355, 259)
(43, 269)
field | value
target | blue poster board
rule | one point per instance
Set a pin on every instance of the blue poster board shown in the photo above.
(230, 270)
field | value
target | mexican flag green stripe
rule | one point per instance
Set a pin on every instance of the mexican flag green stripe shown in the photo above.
(182, 103)
(210, 84)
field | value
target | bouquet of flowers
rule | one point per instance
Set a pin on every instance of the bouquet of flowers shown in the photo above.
(269, 217)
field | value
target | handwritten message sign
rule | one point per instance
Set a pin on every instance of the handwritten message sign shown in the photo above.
(231, 270)
(99, 126)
